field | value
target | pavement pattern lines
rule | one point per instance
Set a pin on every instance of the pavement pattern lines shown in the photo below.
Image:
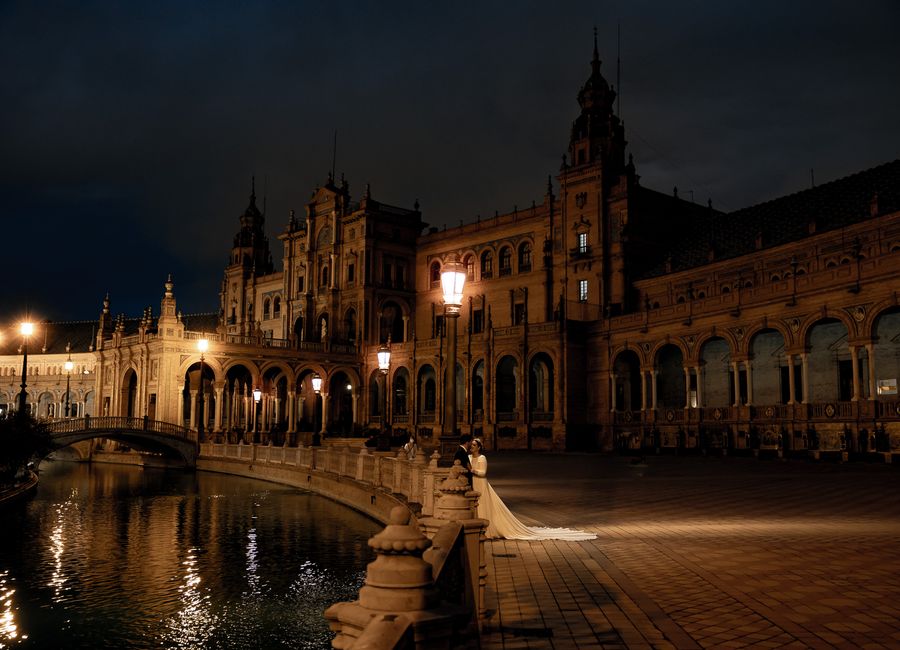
(696, 553)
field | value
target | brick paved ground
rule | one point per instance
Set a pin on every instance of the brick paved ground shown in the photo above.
(697, 552)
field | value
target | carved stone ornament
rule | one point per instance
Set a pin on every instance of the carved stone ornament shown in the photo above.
(670, 415)
(717, 414)
(738, 332)
(858, 313)
(581, 199)
(830, 410)
(794, 324)
(645, 347)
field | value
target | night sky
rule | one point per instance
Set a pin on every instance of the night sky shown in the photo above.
(131, 130)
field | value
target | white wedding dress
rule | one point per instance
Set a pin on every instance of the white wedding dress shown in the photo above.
(502, 523)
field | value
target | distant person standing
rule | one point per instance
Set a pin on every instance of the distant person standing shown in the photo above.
(411, 448)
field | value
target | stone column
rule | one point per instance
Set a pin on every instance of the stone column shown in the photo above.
(653, 400)
(854, 360)
(736, 373)
(217, 422)
(355, 398)
(792, 381)
(643, 390)
(687, 387)
(612, 391)
(325, 400)
(292, 412)
(749, 365)
(180, 415)
(700, 370)
(405, 328)
(804, 361)
(870, 352)
(302, 406)
(193, 409)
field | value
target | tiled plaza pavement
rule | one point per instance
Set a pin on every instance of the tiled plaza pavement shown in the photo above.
(697, 553)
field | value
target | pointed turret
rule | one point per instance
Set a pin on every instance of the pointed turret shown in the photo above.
(251, 246)
(597, 134)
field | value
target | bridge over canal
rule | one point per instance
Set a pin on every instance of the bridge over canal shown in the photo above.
(140, 433)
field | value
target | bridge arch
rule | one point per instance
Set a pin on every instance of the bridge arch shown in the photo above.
(137, 432)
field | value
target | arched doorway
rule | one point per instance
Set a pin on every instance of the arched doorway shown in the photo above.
(670, 381)
(400, 390)
(715, 372)
(427, 393)
(129, 394)
(340, 398)
(237, 399)
(769, 372)
(478, 391)
(196, 385)
(350, 325)
(828, 362)
(886, 355)
(390, 323)
(540, 387)
(627, 381)
(507, 389)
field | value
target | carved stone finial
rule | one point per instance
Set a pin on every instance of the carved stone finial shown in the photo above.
(399, 580)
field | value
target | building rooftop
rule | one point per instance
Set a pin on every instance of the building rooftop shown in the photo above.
(834, 205)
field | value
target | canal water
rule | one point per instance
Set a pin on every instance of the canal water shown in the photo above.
(110, 556)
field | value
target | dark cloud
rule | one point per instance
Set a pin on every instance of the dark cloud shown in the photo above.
(130, 130)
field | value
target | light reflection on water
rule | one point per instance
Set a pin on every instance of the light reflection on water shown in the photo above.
(123, 557)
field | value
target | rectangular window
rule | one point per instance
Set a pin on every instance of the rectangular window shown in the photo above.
(351, 273)
(477, 321)
(300, 280)
(582, 242)
(519, 313)
(582, 291)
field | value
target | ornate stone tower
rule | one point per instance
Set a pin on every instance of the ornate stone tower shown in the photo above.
(250, 259)
(594, 184)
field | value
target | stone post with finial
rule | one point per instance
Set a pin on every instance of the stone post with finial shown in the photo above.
(457, 503)
(398, 606)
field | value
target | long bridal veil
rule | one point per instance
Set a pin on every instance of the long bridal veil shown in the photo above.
(503, 523)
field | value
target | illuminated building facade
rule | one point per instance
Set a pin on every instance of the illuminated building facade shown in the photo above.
(607, 315)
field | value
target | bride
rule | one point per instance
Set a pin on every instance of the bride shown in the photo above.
(502, 523)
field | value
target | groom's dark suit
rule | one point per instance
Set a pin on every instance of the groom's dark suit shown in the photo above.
(463, 457)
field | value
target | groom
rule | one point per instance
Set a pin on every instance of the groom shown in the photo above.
(462, 455)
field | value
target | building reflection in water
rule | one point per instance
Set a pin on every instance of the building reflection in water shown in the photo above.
(9, 631)
(118, 556)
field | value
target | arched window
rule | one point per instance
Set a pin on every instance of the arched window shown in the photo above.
(435, 274)
(267, 309)
(470, 267)
(487, 265)
(505, 261)
(276, 307)
(324, 282)
(524, 257)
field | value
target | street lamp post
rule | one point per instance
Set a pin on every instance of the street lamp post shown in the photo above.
(26, 329)
(453, 279)
(203, 346)
(317, 388)
(257, 395)
(69, 366)
(384, 365)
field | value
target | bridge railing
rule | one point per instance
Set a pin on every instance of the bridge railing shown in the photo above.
(414, 480)
(121, 423)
